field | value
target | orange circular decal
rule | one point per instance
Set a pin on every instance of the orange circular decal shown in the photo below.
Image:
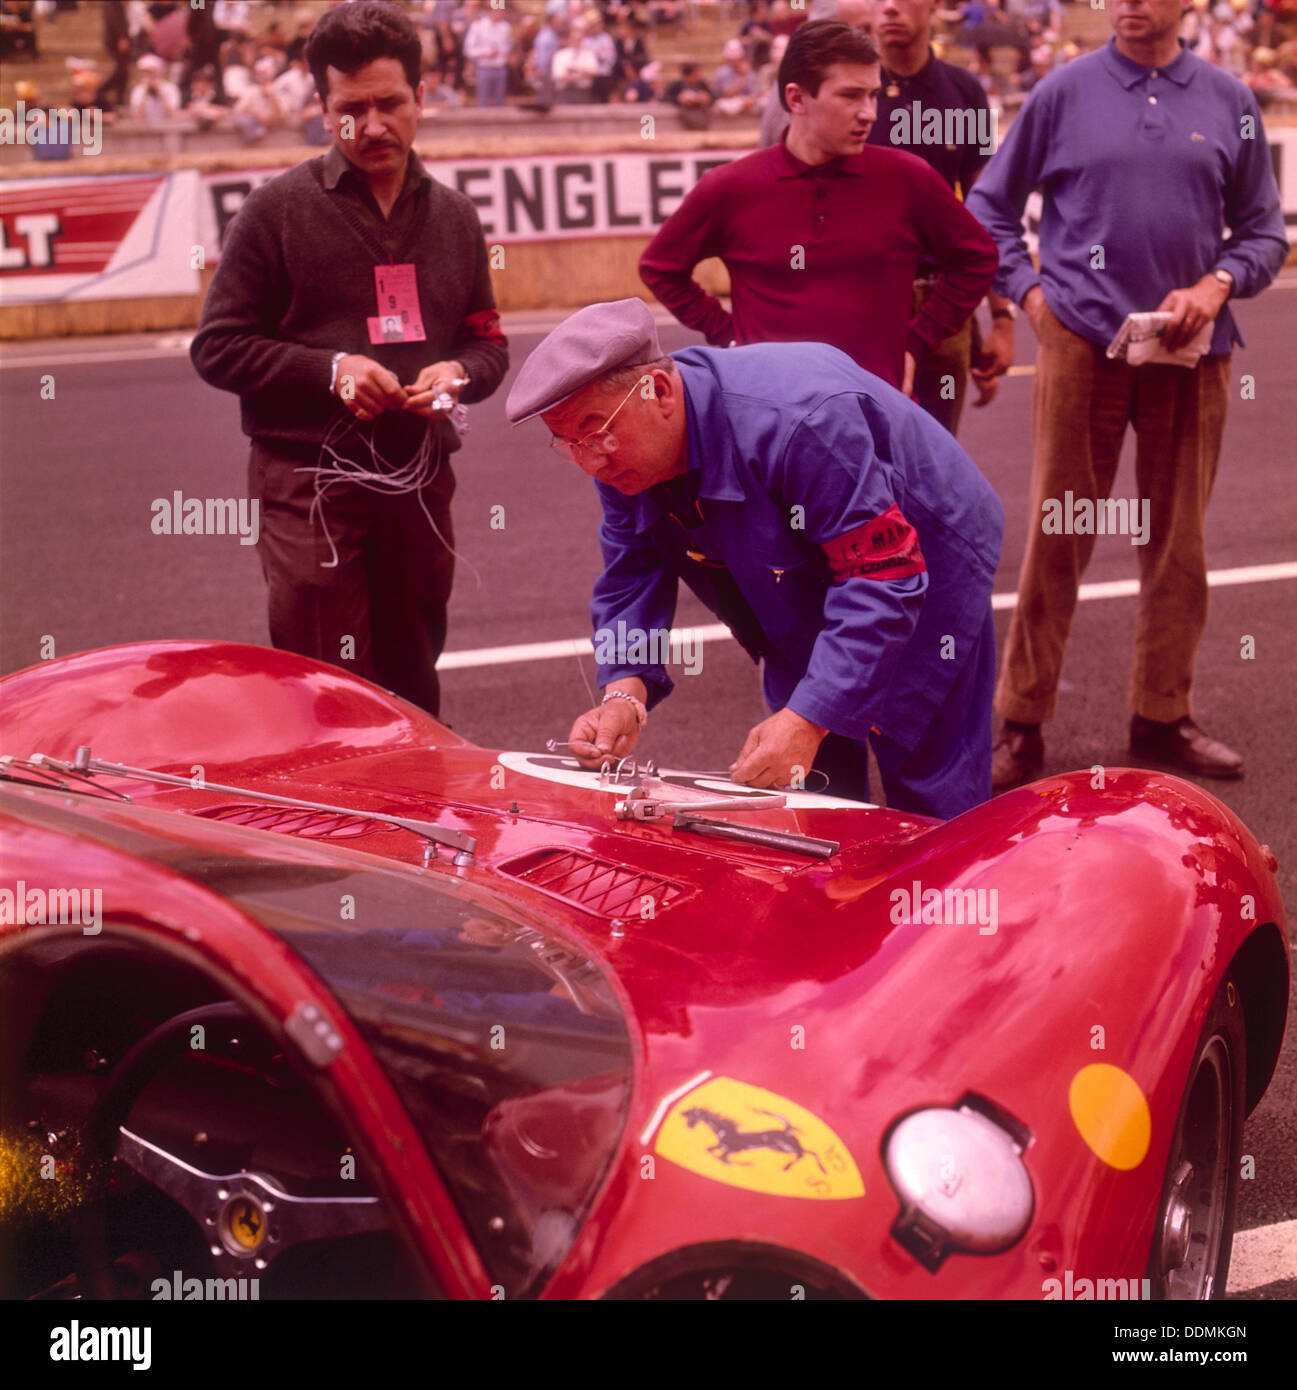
(1109, 1110)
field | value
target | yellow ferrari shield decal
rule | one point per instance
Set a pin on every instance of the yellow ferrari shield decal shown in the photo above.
(734, 1133)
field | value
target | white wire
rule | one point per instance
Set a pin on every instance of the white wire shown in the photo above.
(380, 477)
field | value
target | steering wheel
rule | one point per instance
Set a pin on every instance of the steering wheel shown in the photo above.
(247, 1219)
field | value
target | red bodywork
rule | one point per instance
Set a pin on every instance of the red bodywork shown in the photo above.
(1121, 907)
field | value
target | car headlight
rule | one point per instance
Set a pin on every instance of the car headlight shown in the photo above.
(960, 1177)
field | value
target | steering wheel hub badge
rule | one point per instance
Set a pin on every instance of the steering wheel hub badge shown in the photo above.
(248, 1216)
(243, 1224)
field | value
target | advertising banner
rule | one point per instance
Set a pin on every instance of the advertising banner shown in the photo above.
(111, 237)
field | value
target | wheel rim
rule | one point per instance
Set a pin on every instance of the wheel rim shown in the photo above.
(1191, 1227)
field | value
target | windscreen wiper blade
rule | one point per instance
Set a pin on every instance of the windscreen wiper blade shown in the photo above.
(755, 835)
(434, 834)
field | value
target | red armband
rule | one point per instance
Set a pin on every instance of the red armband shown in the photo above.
(885, 548)
(484, 327)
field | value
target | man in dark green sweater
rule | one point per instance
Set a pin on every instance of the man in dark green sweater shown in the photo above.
(351, 311)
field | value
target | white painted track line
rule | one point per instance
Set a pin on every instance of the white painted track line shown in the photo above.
(1263, 1256)
(718, 632)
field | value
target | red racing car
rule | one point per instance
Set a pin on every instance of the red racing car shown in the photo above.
(304, 995)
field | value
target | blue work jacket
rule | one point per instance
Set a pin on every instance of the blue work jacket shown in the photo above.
(791, 449)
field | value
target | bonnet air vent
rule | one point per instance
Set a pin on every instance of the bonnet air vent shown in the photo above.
(310, 825)
(595, 885)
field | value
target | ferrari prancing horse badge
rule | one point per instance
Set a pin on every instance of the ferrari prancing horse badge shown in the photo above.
(742, 1135)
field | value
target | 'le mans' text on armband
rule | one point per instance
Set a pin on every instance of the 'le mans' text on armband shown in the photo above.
(885, 548)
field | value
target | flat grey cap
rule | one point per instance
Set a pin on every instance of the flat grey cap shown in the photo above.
(591, 342)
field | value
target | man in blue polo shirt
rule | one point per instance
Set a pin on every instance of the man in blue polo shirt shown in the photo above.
(845, 538)
(1144, 155)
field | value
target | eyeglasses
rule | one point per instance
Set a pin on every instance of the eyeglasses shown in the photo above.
(595, 443)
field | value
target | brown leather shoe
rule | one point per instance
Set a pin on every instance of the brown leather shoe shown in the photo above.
(1017, 757)
(1182, 744)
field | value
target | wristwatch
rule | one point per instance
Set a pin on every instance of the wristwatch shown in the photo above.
(333, 372)
(1225, 278)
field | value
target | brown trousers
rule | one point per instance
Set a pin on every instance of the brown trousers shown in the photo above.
(941, 376)
(1083, 403)
(380, 612)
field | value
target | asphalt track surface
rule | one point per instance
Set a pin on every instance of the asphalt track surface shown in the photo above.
(130, 422)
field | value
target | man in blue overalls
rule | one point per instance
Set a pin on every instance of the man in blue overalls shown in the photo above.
(844, 537)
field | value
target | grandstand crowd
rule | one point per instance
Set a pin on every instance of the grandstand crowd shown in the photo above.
(239, 65)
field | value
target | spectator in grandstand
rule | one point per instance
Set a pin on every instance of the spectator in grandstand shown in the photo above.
(734, 83)
(202, 50)
(598, 42)
(117, 40)
(231, 18)
(487, 44)
(756, 36)
(1275, 21)
(520, 54)
(631, 52)
(85, 85)
(274, 36)
(649, 85)
(986, 25)
(259, 109)
(1042, 64)
(668, 12)
(438, 94)
(168, 36)
(295, 88)
(451, 37)
(153, 98)
(204, 107)
(1269, 83)
(237, 58)
(574, 68)
(540, 70)
(766, 81)
(691, 94)
(784, 19)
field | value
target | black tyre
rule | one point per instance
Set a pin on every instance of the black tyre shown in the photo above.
(1195, 1220)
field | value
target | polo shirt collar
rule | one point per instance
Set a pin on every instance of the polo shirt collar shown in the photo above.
(337, 165)
(1179, 70)
(788, 166)
(924, 78)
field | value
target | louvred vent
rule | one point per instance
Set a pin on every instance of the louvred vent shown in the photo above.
(289, 820)
(597, 885)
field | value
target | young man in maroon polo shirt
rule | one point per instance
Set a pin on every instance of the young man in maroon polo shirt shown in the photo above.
(822, 234)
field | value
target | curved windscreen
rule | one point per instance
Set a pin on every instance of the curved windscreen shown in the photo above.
(506, 1046)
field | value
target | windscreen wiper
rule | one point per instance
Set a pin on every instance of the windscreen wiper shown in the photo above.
(643, 803)
(85, 766)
